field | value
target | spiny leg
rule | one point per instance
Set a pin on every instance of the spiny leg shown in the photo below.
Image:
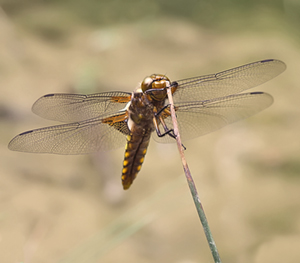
(168, 131)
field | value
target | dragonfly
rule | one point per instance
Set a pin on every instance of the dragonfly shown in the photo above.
(108, 120)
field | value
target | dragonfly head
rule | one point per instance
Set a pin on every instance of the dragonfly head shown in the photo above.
(155, 86)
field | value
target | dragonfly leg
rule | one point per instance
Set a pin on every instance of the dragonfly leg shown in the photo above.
(168, 131)
(165, 110)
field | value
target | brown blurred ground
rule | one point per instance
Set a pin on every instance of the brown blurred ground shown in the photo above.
(73, 208)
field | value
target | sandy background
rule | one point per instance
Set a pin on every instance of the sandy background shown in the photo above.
(73, 209)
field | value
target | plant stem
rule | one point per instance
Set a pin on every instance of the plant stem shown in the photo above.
(199, 207)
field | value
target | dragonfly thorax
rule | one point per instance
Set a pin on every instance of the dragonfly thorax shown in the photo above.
(140, 110)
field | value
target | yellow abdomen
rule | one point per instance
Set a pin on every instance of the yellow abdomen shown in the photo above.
(135, 151)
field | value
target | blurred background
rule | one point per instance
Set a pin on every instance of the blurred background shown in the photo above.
(73, 209)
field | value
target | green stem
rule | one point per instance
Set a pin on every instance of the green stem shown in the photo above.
(199, 207)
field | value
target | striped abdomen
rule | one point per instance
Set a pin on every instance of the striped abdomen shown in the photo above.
(135, 151)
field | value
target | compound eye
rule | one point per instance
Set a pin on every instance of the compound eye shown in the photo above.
(159, 84)
(146, 84)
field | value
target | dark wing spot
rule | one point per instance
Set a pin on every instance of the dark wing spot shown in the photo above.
(23, 133)
(267, 60)
(256, 92)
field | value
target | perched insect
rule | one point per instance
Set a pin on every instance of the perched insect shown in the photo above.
(103, 121)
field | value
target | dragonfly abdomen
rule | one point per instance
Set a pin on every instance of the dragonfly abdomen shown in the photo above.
(135, 152)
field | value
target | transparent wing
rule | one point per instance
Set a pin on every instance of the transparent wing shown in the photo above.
(202, 117)
(65, 107)
(88, 136)
(227, 82)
